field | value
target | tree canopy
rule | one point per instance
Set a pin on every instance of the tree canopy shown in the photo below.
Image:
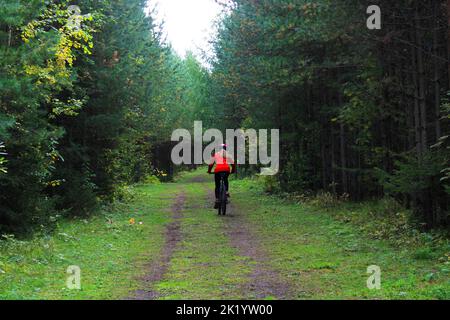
(362, 112)
(89, 99)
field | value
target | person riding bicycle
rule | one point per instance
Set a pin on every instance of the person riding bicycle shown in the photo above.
(222, 160)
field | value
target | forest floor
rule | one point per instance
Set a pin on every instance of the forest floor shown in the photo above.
(168, 243)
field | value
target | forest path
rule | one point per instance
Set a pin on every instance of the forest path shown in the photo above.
(207, 256)
(158, 267)
(167, 242)
(270, 248)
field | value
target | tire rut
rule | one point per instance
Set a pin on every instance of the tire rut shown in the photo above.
(264, 281)
(158, 269)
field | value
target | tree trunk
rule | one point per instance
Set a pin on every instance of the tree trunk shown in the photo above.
(343, 159)
(448, 39)
(333, 163)
(422, 100)
(417, 122)
(437, 84)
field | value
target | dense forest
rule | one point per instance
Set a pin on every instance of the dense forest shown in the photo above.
(85, 99)
(88, 100)
(362, 113)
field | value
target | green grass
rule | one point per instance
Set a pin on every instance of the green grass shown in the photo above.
(328, 259)
(109, 250)
(322, 252)
(205, 266)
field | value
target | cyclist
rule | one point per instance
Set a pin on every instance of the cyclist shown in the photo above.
(222, 160)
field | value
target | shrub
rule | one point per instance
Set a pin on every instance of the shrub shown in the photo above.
(327, 200)
(152, 180)
(271, 184)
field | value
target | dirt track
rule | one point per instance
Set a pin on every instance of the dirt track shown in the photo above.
(263, 282)
(158, 268)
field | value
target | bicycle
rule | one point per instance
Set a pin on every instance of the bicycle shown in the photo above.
(223, 199)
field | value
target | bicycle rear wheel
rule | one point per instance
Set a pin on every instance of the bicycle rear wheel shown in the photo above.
(223, 199)
(219, 209)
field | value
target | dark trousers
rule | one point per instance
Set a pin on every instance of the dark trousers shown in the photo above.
(217, 180)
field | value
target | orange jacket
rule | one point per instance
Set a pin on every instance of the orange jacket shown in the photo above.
(222, 161)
